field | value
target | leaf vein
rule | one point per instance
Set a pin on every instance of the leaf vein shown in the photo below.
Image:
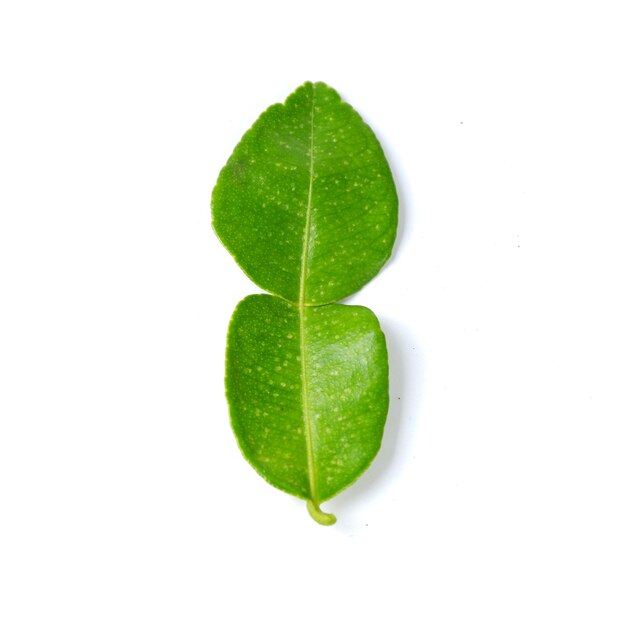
(301, 311)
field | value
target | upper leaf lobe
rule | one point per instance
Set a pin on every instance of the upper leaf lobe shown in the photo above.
(306, 203)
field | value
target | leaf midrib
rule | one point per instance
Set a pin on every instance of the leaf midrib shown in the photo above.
(301, 310)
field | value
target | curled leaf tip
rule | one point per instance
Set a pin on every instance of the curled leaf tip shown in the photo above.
(325, 519)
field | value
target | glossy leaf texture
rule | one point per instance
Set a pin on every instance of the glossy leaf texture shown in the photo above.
(308, 393)
(306, 204)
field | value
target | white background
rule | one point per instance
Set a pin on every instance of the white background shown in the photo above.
(499, 496)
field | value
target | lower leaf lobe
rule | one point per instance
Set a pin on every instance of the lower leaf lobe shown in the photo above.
(308, 392)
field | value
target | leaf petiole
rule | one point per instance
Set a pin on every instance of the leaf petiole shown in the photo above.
(325, 519)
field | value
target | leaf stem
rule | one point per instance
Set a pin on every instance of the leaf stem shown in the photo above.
(325, 519)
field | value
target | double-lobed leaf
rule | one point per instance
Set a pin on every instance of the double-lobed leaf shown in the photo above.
(307, 206)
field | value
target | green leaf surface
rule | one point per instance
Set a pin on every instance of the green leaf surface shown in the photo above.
(308, 393)
(306, 204)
